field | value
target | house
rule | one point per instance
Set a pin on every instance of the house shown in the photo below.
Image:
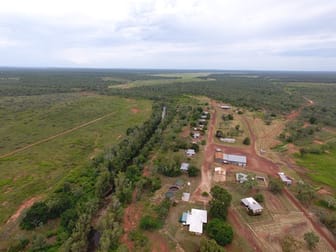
(234, 159)
(190, 152)
(184, 167)
(227, 140)
(252, 206)
(196, 135)
(284, 178)
(185, 196)
(241, 177)
(195, 219)
(230, 159)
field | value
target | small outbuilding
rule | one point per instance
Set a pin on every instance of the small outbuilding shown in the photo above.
(196, 135)
(241, 177)
(184, 167)
(284, 178)
(227, 140)
(190, 152)
(252, 206)
(225, 107)
(185, 196)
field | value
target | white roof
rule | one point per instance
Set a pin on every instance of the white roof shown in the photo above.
(234, 158)
(186, 196)
(284, 178)
(195, 220)
(241, 177)
(184, 166)
(252, 204)
(190, 152)
(218, 169)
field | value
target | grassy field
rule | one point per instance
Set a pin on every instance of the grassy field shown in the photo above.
(37, 170)
(322, 167)
(175, 78)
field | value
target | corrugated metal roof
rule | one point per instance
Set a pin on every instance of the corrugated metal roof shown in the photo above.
(195, 220)
(252, 204)
(234, 158)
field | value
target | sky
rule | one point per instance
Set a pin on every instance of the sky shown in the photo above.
(185, 34)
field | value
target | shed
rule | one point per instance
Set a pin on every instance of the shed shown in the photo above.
(252, 205)
(241, 177)
(227, 140)
(190, 152)
(284, 178)
(234, 159)
(184, 167)
(225, 107)
(196, 135)
(185, 196)
(183, 218)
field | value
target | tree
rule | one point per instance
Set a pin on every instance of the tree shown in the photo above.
(149, 223)
(221, 200)
(259, 198)
(275, 186)
(36, 215)
(193, 171)
(305, 193)
(219, 134)
(247, 141)
(210, 246)
(311, 240)
(220, 231)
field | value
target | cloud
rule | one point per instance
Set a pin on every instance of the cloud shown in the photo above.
(230, 34)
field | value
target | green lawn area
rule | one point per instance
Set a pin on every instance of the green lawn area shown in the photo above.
(322, 167)
(38, 170)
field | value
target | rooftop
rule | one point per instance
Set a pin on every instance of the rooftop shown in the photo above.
(252, 204)
(195, 220)
(234, 158)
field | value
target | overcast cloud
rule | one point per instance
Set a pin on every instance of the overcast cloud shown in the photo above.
(209, 34)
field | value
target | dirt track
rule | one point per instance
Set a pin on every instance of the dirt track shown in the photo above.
(255, 163)
(54, 136)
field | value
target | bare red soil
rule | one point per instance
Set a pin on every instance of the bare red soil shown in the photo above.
(131, 219)
(24, 206)
(242, 230)
(135, 110)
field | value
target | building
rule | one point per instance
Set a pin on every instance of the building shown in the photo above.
(204, 117)
(241, 177)
(230, 159)
(227, 140)
(196, 135)
(284, 178)
(195, 219)
(185, 196)
(190, 152)
(252, 206)
(184, 167)
(234, 159)
(225, 106)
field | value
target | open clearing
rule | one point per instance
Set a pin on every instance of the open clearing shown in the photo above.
(39, 169)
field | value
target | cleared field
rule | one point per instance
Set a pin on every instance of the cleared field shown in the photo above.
(175, 78)
(38, 170)
(321, 167)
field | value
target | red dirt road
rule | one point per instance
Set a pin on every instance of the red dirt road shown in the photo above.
(255, 163)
